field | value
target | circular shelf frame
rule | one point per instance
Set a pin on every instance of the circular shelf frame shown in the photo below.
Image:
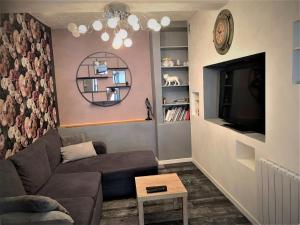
(114, 63)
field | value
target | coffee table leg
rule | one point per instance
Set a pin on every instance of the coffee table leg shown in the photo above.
(184, 210)
(141, 212)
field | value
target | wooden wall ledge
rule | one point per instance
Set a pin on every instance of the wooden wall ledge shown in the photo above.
(100, 123)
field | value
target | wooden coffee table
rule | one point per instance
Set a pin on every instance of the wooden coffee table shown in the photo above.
(175, 190)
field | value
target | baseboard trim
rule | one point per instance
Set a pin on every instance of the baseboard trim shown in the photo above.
(171, 161)
(249, 216)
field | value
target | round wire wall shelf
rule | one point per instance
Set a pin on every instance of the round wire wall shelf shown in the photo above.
(103, 79)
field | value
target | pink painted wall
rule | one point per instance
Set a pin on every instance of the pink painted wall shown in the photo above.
(69, 52)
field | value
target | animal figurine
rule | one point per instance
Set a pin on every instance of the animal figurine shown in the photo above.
(167, 62)
(171, 80)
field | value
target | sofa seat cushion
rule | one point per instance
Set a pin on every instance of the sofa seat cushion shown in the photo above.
(69, 185)
(33, 167)
(118, 170)
(80, 208)
(112, 162)
(91, 164)
(136, 160)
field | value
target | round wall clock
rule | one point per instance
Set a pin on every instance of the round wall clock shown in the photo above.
(223, 31)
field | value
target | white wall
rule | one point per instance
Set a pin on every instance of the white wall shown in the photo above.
(259, 26)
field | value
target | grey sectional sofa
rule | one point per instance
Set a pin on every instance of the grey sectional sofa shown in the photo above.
(80, 186)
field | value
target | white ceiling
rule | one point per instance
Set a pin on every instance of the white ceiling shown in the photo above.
(58, 13)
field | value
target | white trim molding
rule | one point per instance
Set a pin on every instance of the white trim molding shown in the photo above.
(249, 216)
(171, 161)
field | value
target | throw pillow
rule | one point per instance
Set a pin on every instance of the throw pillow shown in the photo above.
(78, 151)
(21, 218)
(30, 203)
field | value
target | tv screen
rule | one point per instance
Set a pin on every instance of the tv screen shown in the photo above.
(242, 93)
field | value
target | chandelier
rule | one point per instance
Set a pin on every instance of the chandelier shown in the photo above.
(117, 21)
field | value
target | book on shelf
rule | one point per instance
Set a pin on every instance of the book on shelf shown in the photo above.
(176, 114)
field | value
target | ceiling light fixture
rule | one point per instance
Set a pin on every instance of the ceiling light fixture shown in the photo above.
(122, 23)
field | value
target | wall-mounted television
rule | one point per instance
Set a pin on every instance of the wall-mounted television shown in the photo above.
(242, 93)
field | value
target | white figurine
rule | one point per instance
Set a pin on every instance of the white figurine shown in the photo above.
(171, 79)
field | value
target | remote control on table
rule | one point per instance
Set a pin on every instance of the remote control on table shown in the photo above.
(154, 189)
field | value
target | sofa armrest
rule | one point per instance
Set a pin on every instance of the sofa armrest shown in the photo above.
(100, 147)
(33, 218)
(54, 222)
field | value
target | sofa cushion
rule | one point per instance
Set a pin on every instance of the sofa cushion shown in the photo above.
(30, 203)
(53, 143)
(97, 211)
(111, 162)
(78, 151)
(118, 162)
(74, 139)
(10, 182)
(80, 208)
(118, 170)
(33, 166)
(68, 185)
(42, 218)
(91, 164)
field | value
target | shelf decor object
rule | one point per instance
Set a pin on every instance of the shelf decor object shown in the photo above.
(103, 79)
(122, 22)
(296, 53)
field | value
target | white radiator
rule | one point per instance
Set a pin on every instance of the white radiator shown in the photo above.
(278, 194)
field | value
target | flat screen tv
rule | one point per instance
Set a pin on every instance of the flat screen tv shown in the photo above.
(242, 93)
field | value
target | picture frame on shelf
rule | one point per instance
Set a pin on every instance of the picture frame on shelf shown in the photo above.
(119, 77)
(113, 94)
(100, 68)
(90, 85)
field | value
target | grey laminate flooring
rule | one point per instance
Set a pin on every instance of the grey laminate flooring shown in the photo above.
(206, 205)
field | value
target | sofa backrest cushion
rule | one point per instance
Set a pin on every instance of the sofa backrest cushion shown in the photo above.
(74, 139)
(10, 182)
(33, 166)
(53, 143)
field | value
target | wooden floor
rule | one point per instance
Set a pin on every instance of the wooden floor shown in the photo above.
(206, 204)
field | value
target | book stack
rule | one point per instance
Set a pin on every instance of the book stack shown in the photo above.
(177, 114)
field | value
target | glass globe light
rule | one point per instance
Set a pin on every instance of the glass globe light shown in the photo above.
(132, 19)
(97, 25)
(117, 42)
(122, 33)
(151, 23)
(127, 42)
(165, 21)
(82, 29)
(75, 33)
(112, 22)
(136, 27)
(157, 27)
(72, 27)
(105, 36)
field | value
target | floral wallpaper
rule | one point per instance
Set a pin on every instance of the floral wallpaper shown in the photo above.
(27, 91)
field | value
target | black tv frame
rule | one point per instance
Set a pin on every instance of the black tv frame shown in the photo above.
(256, 61)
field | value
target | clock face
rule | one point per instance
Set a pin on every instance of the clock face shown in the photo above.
(220, 33)
(223, 32)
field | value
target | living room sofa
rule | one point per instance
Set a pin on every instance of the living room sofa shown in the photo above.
(80, 186)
